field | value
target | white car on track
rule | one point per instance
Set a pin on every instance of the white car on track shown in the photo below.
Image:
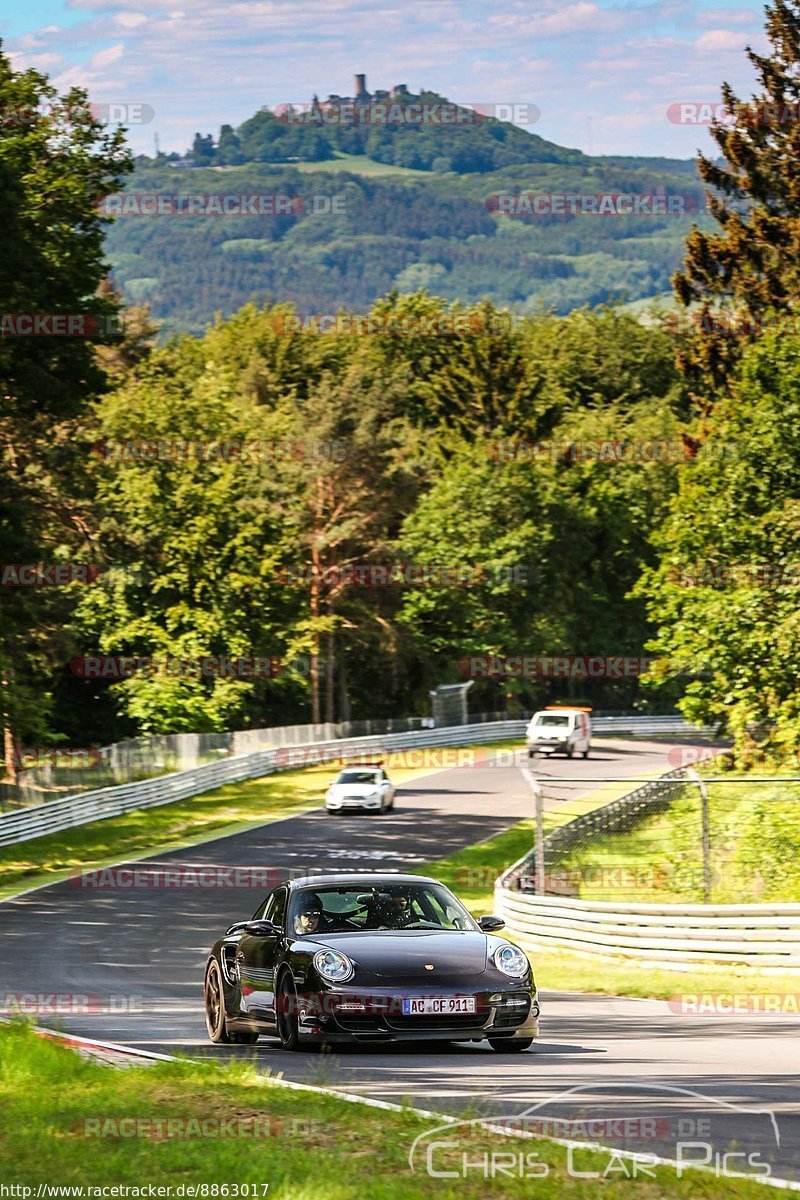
(558, 729)
(366, 786)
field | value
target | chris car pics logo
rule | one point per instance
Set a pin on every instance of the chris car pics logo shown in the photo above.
(630, 1131)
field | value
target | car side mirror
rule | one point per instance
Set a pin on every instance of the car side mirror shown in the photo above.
(489, 924)
(260, 928)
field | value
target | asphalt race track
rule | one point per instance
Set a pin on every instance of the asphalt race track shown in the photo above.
(728, 1083)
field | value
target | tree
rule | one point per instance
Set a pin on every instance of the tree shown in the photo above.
(203, 149)
(342, 501)
(746, 274)
(55, 161)
(229, 150)
(724, 594)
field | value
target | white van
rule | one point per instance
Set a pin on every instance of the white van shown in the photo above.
(558, 728)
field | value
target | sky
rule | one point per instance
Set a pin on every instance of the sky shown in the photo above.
(603, 75)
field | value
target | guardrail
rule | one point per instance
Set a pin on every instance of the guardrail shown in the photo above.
(676, 935)
(761, 935)
(65, 773)
(56, 815)
(646, 726)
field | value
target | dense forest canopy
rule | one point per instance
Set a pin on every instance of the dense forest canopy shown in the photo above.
(468, 461)
(343, 212)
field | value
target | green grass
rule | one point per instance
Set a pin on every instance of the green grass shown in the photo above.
(357, 164)
(229, 809)
(755, 850)
(61, 1112)
(471, 874)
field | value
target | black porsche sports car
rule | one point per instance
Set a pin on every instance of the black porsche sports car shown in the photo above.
(367, 957)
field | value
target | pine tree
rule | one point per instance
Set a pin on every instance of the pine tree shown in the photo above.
(745, 275)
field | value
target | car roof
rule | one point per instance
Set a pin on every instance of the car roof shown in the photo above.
(367, 879)
(565, 712)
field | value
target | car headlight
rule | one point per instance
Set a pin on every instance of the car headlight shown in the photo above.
(333, 966)
(510, 960)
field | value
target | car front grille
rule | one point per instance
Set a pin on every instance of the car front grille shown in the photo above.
(426, 1021)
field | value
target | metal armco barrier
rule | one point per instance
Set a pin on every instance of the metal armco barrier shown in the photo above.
(677, 935)
(54, 815)
(765, 935)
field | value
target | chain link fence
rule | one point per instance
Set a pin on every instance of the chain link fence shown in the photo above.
(683, 838)
(68, 771)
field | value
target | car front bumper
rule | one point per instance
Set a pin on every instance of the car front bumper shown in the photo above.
(548, 747)
(347, 1016)
(336, 805)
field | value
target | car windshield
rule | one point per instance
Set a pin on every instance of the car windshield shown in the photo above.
(358, 777)
(553, 720)
(362, 908)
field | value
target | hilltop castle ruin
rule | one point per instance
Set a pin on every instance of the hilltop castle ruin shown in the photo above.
(399, 93)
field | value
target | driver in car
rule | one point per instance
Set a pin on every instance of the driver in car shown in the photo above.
(311, 916)
(399, 913)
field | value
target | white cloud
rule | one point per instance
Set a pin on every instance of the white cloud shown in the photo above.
(40, 62)
(716, 40)
(130, 20)
(104, 58)
(730, 16)
(205, 64)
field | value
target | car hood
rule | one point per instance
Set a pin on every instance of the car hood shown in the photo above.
(402, 954)
(353, 789)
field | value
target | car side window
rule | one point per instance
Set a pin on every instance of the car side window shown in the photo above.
(261, 912)
(278, 916)
(274, 908)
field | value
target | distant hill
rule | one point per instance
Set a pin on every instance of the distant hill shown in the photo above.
(364, 209)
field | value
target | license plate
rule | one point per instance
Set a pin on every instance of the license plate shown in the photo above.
(438, 1005)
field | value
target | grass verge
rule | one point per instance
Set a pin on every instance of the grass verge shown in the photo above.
(229, 809)
(72, 1122)
(471, 874)
(754, 831)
